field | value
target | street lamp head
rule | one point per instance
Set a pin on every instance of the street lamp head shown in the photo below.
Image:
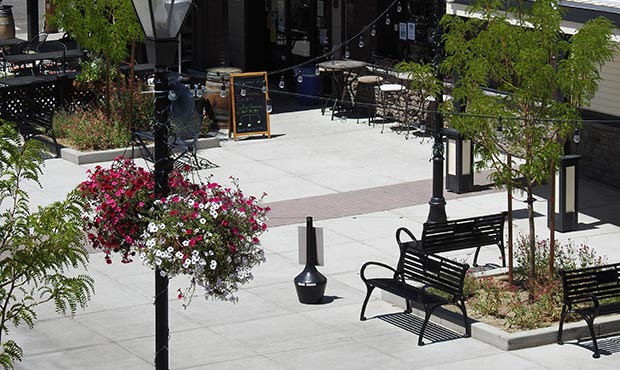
(161, 21)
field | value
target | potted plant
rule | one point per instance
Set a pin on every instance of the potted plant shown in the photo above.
(205, 231)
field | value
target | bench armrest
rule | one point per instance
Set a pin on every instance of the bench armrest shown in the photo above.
(589, 296)
(372, 263)
(414, 242)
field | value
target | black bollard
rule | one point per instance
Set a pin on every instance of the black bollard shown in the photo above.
(310, 283)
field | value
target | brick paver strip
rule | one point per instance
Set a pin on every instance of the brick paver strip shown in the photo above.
(363, 201)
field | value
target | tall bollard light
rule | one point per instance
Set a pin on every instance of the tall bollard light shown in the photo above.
(310, 283)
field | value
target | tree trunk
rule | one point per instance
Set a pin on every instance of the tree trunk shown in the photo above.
(108, 82)
(532, 241)
(131, 86)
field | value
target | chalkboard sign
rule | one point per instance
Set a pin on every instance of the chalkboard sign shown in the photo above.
(249, 104)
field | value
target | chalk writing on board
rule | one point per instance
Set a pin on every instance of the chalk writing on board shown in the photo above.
(249, 102)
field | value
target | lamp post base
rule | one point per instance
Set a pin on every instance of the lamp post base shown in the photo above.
(437, 210)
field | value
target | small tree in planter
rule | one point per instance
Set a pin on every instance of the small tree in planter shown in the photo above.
(520, 49)
(105, 27)
(37, 248)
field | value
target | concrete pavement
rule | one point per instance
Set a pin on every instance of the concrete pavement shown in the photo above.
(360, 186)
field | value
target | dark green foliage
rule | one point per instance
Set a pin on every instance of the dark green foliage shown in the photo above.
(37, 248)
(541, 78)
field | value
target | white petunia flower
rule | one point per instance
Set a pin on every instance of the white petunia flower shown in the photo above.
(213, 264)
(179, 254)
(152, 227)
(203, 221)
(170, 249)
(162, 226)
(185, 243)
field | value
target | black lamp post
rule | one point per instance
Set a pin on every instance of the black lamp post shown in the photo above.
(161, 21)
(437, 204)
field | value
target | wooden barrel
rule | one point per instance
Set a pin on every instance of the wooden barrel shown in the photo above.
(220, 105)
(7, 23)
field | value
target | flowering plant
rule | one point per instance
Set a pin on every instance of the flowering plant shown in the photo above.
(205, 231)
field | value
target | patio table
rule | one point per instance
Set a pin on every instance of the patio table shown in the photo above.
(340, 72)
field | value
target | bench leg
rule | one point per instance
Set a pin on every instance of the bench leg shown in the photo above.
(476, 257)
(561, 327)
(465, 319)
(369, 289)
(53, 136)
(428, 311)
(590, 321)
(502, 251)
(408, 306)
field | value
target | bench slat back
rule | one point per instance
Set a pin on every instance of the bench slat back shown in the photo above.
(432, 270)
(463, 233)
(601, 281)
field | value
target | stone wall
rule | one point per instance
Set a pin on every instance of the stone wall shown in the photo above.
(600, 148)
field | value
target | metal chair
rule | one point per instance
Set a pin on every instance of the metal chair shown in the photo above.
(391, 91)
(55, 65)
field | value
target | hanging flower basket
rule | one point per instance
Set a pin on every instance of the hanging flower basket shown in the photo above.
(205, 231)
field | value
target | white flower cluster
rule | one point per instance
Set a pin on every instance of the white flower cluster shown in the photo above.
(204, 240)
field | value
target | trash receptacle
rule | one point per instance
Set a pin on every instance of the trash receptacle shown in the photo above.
(308, 88)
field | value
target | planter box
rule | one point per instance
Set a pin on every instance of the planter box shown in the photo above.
(80, 158)
(510, 341)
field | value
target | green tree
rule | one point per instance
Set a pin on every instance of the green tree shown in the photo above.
(423, 84)
(106, 27)
(37, 248)
(542, 77)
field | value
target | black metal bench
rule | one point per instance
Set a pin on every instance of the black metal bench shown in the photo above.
(473, 232)
(421, 277)
(590, 292)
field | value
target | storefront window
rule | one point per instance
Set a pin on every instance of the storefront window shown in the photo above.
(298, 29)
(399, 35)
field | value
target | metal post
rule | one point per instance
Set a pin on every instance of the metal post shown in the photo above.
(163, 166)
(437, 204)
(32, 9)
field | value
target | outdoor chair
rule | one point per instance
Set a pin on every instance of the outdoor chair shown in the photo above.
(55, 65)
(392, 92)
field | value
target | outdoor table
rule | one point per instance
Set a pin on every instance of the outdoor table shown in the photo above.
(9, 43)
(33, 58)
(340, 71)
(25, 80)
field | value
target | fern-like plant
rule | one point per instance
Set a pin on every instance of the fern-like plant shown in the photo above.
(37, 247)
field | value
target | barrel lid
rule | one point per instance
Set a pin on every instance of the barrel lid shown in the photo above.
(223, 71)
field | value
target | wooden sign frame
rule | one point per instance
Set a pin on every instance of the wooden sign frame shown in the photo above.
(250, 106)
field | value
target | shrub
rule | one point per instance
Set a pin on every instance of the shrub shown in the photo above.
(38, 248)
(87, 129)
(90, 128)
(524, 305)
